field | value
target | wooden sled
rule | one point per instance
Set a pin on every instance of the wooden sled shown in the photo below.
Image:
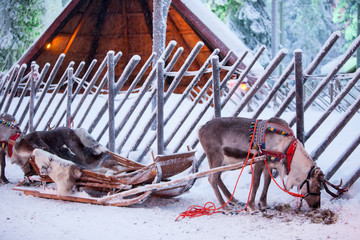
(95, 188)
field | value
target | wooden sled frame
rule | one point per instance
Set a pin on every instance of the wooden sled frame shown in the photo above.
(95, 188)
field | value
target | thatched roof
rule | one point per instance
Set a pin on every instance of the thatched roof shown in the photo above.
(88, 29)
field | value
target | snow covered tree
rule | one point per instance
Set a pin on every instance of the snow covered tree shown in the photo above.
(20, 24)
(345, 15)
(249, 19)
(307, 25)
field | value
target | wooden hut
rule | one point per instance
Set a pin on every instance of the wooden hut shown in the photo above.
(88, 29)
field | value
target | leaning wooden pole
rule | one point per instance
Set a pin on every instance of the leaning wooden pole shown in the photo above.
(353, 179)
(15, 86)
(337, 129)
(332, 170)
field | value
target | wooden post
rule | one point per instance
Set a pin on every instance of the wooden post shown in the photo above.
(310, 69)
(69, 95)
(216, 85)
(160, 107)
(37, 86)
(32, 98)
(111, 99)
(299, 88)
(325, 81)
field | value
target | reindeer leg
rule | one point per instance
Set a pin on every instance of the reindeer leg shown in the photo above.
(3, 179)
(214, 179)
(215, 159)
(263, 197)
(227, 193)
(257, 170)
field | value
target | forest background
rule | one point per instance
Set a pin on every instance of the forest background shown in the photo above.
(303, 24)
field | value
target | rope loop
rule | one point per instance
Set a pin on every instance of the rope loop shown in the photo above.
(196, 211)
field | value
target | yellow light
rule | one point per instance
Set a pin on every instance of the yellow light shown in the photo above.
(244, 87)
(48, 46)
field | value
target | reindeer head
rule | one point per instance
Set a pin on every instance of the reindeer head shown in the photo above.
(303, 167)
(311, 187)
(312, 190)
(8, 126)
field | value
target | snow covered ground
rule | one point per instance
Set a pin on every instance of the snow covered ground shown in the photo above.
(27, 217)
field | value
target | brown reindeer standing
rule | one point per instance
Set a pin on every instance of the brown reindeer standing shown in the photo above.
(226, 141)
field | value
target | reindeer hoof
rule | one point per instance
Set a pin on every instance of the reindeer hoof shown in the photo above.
(4, 181)
(229, 212)
(252, 210)
(255, 212)
(263, 207)
(237, 204)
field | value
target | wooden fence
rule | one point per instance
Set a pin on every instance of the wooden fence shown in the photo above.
(124, 121)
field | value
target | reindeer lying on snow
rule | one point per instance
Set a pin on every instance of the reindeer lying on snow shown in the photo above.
(226, 141)
(59, 153)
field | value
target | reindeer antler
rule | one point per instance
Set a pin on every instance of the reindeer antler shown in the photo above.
(336, 187)
(49, 127)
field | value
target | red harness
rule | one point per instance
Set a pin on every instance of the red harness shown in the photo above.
(10, 143)
(260, 136)
(289, 154)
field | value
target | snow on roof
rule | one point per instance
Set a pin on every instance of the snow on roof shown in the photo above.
(219, 28)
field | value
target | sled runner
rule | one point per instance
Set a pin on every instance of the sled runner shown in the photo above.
(95, 187)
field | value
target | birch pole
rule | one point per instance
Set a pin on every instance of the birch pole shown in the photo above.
(160, 13)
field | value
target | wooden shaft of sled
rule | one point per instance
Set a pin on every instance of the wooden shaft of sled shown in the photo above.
(165, 185)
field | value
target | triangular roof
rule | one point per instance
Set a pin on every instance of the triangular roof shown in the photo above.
(88, 29)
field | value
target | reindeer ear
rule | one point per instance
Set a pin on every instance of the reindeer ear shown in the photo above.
(318, 173)
(75, 171)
